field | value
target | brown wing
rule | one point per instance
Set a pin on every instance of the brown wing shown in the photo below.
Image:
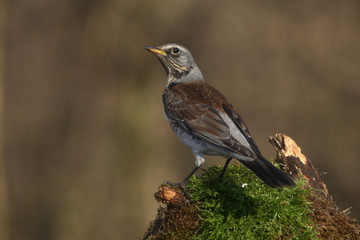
(202, 120)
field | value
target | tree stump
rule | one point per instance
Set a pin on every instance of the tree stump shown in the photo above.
(331, 223)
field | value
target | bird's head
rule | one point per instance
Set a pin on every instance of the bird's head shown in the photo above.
(178, 63)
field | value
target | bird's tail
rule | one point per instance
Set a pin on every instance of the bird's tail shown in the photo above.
(269, 174)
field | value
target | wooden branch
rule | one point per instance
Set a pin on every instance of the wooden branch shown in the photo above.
(290, 156)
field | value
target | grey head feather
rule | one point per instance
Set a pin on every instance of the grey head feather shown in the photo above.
(179, 64)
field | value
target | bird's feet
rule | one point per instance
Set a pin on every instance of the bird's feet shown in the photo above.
(221, 176)
(182, 186)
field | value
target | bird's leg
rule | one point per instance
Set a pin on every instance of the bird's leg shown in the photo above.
(199, 160)
(221, 176)
(183, 184)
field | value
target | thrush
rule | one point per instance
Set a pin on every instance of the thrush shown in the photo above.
(206, 122)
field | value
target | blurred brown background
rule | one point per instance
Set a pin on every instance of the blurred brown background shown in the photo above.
(85, 143)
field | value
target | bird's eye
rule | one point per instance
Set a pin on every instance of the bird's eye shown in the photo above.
(175, 50)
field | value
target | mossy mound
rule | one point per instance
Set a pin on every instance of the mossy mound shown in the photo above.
(239, 207)
(242, 207)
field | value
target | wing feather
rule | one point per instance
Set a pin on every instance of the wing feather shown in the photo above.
(242, 127)
(202, 120)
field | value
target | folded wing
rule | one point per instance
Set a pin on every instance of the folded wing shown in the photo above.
(205, 122)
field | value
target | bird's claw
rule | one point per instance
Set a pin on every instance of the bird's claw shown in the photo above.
(180, 185)
(221, 176)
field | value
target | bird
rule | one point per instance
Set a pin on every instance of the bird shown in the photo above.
(205, 121)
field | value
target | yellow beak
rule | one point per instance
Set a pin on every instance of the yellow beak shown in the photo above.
(156, 51)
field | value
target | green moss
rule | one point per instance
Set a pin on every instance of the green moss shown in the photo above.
(229, 210)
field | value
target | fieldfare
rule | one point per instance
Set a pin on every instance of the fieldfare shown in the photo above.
(206, 122)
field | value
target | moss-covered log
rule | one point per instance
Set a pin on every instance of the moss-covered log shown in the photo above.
(241, 207)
